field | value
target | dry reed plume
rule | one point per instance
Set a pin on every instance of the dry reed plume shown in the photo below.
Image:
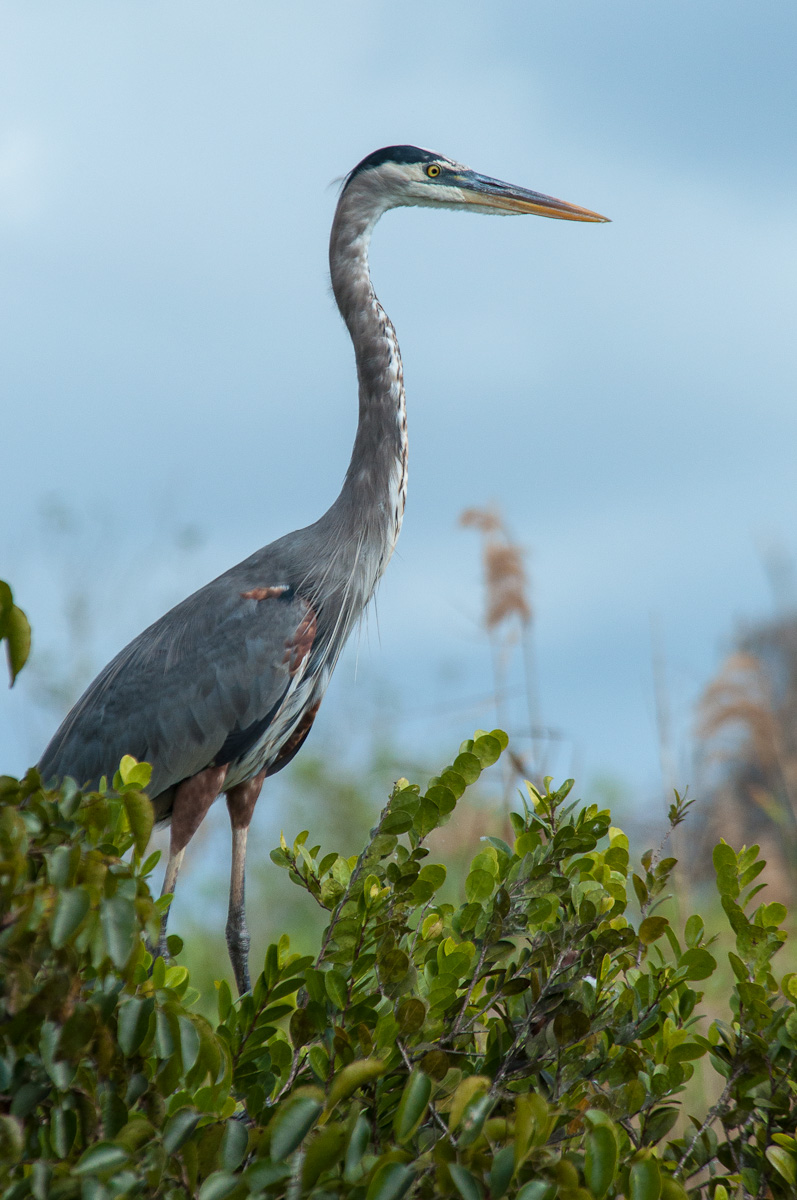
(507, 620)
(747, 727)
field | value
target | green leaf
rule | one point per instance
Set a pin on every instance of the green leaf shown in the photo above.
(540, 909)
(354, 1075)
(724, 856)
(70, 909)
(569, 1027)
(355, 1151)
(472, 1123)
(652, 929)
(390, 1182)
(337, 988)
(537, 1190)
(140, 814)
(435, 1063)
(225, 999)
(468, 766)
(323, 1154)
(645, 1180)
(600, 1162)
(382, 846)
(179, 1128)
(411, 1014)
(641, 890)
(394, 966)
(167, 1033)
(672, 1190)
(63, 1130)
(218, 1185)
(103, 1159)
(412, 1105)
(234, 1145)
(453, 781)
(694, 930)
(686, 1052)
(726, 867)
(61, 1073)
(783, 1162)
(12, 1139)
(61, 865)
(501, 1172)
(468, 1187)
(658, 1123)
(405, 798)
(294, 1119)
(396, 822)
(118, 918)
(443, 797)
(698, 962)
(487, 749)
(15, 629)
(133, 773)
(151, 862)
(190, 1042)
(770, 916)
(469, 1089)
(133, 1024)
(426, 818)
(479, 886)
(264, 1174)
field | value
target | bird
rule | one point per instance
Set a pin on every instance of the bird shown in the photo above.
(222, 690)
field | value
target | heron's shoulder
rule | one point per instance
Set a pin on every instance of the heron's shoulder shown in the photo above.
(268, 574)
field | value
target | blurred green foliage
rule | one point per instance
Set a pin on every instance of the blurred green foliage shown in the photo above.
(529, 1042)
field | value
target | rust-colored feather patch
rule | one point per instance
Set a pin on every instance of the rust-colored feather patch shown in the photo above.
(301, 731)
(295, 741)
(266, 593)
(299, 646)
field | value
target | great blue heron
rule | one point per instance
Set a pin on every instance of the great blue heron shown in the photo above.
(223, 689)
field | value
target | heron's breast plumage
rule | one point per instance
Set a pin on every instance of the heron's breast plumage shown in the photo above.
(395, 395)
(308, 680)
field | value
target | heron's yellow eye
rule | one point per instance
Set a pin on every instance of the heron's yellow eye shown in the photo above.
(433, 171)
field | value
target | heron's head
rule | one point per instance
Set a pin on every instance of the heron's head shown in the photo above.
(397, 176)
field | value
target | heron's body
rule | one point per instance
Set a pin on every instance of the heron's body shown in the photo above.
(223, 689)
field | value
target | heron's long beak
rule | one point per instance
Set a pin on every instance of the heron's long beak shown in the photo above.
(492, 195)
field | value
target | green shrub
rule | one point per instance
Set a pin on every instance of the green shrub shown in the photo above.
(529, 1042)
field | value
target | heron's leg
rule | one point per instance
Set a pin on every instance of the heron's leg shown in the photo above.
(192, 800)
(241, 801)
(169, 884)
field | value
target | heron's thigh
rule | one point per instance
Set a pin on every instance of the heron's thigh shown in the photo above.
(192, 800)
(242, 798)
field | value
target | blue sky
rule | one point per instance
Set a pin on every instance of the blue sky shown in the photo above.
(624, 393)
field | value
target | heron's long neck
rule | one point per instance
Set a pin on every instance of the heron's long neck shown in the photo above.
(370, 507)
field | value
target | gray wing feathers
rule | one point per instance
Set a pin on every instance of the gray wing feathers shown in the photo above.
(214, 663)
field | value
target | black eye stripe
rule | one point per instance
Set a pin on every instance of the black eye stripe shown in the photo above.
(396, 154)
